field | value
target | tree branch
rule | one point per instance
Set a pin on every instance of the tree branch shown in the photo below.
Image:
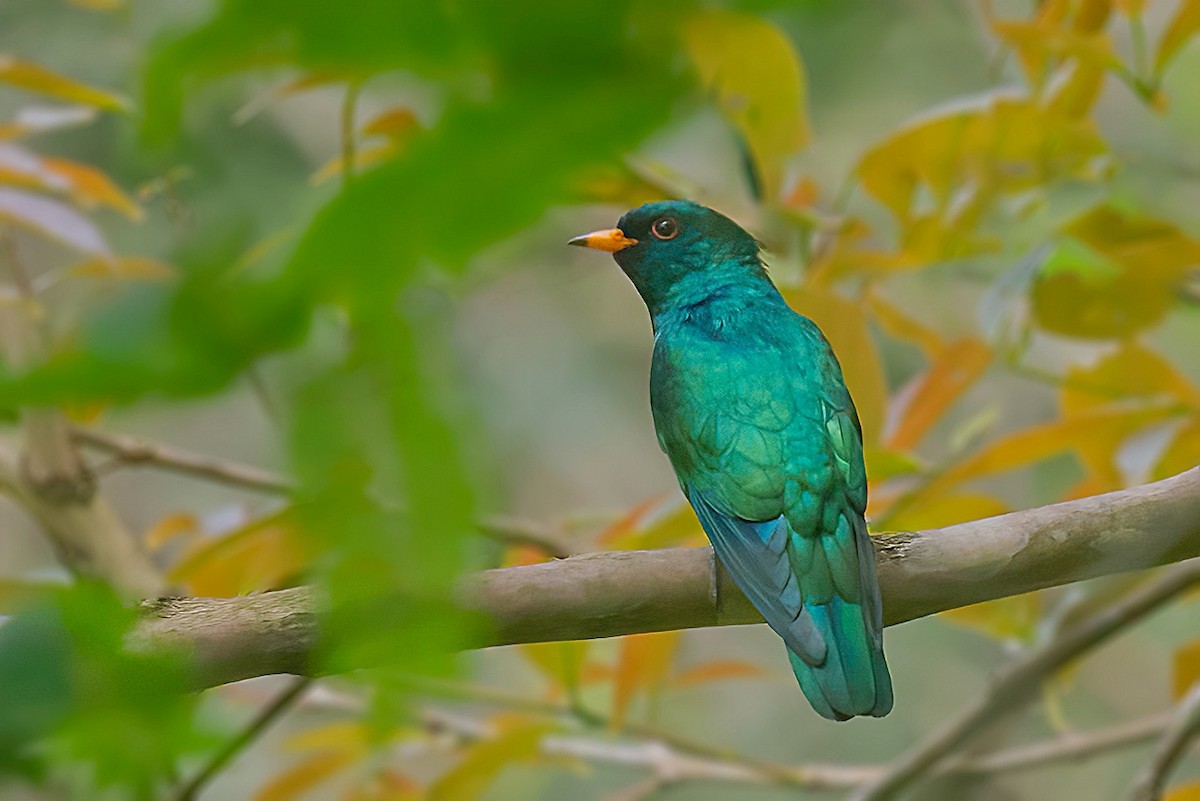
(51, 481)
(1183, 728)
(1017, 681)
(610, 594)
(137, 451)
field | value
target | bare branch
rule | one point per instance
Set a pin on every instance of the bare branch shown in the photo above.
(610, 594)
(1184, 727)
(52, 482)
(134, 450)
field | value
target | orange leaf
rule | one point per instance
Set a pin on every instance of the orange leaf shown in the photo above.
(1186, 672)
(628, 523)
(36, 78)
(717, 670)
(394, 123)
(261, 555)
(168, 528)
(302, 777)
(954, 370)
(91, 187)
(642, 664)
(1040, 442)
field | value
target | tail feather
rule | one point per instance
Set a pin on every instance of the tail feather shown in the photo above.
(853, 679)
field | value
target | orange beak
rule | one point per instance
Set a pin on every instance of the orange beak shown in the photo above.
(611, 241)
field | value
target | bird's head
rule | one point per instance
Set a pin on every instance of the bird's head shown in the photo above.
(676, 249)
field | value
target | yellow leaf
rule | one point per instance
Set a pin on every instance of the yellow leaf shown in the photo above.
(36, 78)
(883, 464)
(99, 5)
(957, 367)
(85, 413)
(718, 670)
(386, 785)
(978, 148)
(560, 662)
(642, 663)
(91, 187)
(1131, 371)
(133, 267)
(295, 782)
(1183, 792)
(654, 523)
(364, 158)
(844, 324)
(517, 741)
(905, 327)
(757, 77)
(170, 527)
(1112, 274)
(1183, 452)
(16, 594)
(1186, 668)
(1040, 442)
(1182, 27)
(1013, 618)
(349, 737)
(939, 511)
(261, 555)
(394, 123)
(620, 185)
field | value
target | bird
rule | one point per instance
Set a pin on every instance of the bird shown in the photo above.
(750, 407)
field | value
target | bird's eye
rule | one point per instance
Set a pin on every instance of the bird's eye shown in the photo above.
(665, 228)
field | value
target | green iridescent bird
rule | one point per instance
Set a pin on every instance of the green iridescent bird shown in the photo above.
(751, 408)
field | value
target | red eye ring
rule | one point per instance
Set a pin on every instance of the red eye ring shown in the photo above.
(665, 228)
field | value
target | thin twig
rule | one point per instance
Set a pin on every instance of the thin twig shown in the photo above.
(129, 450)
(135, 450)
(267, 715)
(1019, 680)
(1184, 727)
(1071, 746)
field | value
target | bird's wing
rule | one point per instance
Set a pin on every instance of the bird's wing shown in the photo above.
(772, 463)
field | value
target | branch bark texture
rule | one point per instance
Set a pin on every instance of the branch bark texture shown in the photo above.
(610, 594)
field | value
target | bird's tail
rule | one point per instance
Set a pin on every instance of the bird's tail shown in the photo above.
(853, 679)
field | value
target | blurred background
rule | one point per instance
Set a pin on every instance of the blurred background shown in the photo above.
(327, 241)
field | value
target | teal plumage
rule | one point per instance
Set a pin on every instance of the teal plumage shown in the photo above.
(750, 406)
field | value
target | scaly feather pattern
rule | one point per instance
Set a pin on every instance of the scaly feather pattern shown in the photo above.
(750, 406)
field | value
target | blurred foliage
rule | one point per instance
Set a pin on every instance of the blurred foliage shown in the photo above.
(539, 105)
